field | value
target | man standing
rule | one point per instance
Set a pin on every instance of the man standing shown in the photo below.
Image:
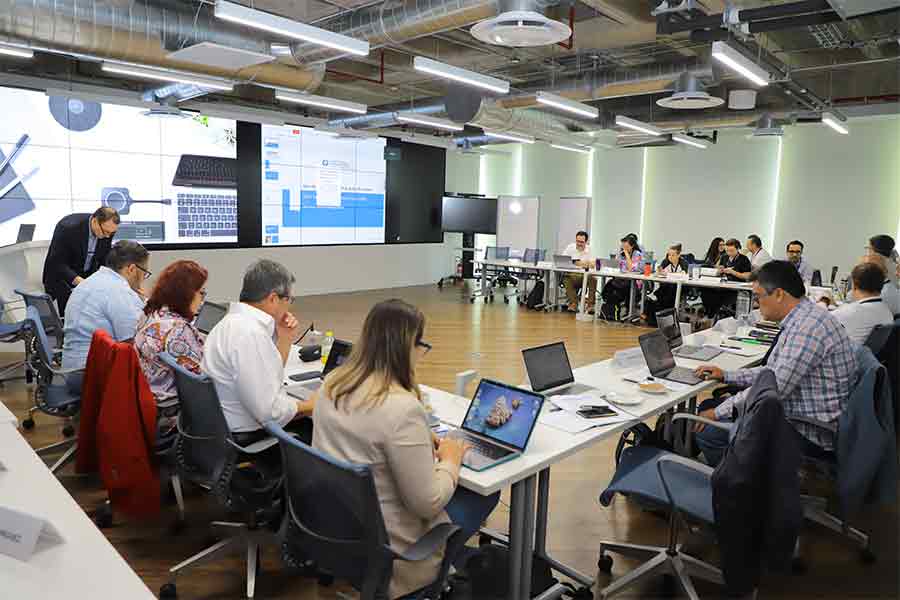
(795, 257)
(110, 299)
(580, 253)
(813, 359)
(77, 250)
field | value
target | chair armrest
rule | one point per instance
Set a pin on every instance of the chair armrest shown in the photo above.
(255, 447)
(686, 462)
(428, 544)
(814, 422)
(63, 372)
(704, 420)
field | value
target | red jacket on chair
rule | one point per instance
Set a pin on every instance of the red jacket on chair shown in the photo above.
(97, 370)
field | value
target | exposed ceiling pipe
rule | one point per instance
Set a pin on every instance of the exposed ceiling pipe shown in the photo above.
(493, 117)
(141, 32)
(399, 21)
(386, 118)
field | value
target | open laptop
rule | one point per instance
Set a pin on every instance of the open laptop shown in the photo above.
(498, 424)
(312, 381)
(210, 314)
(660, 361)
(550, 371)
(563, 261)
(667, 321)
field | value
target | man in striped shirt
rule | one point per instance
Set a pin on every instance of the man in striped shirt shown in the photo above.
(813, 359)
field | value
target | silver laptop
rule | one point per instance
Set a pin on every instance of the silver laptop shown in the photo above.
(667, 321)
(312, 381)
(550, 371)
(498, 424)
(210, 314)
(660, 361)
(563, 261)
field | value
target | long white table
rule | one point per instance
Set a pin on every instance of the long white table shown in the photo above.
(84, 565)
(529, 475)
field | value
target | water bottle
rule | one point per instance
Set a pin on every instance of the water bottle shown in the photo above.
(326, 345)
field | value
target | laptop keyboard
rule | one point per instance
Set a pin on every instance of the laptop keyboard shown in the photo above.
(485, 449)
(207, 215)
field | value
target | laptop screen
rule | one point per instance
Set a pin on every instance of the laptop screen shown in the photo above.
(657, 353)
(339, 353)
(667, 321)
(210, 314)
(548, 366)
(503, 413)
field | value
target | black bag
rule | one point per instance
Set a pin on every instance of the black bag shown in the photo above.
(642, 435)
(487, 572)
(535, 296)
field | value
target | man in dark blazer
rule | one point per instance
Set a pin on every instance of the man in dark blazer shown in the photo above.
(79, 247)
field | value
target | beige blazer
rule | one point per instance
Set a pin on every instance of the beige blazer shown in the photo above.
(395, 441)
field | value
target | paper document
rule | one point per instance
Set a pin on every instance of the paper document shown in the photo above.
(643, 376)
(562, 413)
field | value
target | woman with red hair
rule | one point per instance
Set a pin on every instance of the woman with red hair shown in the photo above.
(167, 326)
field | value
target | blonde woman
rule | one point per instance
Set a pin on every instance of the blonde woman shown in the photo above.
(370, 411)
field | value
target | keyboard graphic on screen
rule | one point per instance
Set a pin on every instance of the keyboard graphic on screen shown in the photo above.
(207, 215)
(206, 171)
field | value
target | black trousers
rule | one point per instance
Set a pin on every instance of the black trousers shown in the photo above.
(270, 460)
(665, 298)
(62, 298)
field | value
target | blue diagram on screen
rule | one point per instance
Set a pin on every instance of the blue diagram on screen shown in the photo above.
(503, 414)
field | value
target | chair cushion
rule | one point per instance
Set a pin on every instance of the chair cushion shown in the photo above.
(637, 475)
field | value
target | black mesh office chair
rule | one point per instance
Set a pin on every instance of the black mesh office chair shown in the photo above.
(491, 273)
(51, 394)
(11, 333)
(45, 306)
(207, 455)
(334, 519)
(878, 338)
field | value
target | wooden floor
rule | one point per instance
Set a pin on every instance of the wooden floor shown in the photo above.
(487, 338)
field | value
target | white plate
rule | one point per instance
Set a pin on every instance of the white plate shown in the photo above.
(625, 400)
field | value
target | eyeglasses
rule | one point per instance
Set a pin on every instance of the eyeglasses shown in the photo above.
(105, 233)
(424, 345)
(795, 251)
(289, 298)
(147, 274)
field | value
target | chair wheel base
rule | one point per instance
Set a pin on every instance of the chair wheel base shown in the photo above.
(168, 592)
(28, 424)
(471, 300)
(867, 557)
(103, 517)
(68, 431)
(605, 563)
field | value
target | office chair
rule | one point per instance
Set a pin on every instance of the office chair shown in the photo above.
(11, 333)
(531, 257)
(490, 253)
(878, 338)
(45, 306)
(206, 454)
(334, 518)
(51, 396)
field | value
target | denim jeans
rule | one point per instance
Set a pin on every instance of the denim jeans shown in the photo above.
(469, 510)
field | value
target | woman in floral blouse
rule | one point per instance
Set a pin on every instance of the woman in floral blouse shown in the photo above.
(167, 326)
(616, 291)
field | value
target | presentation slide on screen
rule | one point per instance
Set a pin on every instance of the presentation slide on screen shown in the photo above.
(173, 180)
(321, 189)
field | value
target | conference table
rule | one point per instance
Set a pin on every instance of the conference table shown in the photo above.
(529, 475)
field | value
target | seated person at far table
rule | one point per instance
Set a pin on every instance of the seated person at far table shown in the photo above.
(794, 251)
(245, 354)
(616, 290)
(663, 297)
(882, 250)
(758, 257)
(868, 309)
(813, 359)
(111, 299)
(715, 253)
(580, 252)
(732, 265)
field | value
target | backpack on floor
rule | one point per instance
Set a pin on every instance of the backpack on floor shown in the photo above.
(535, 296)
(486, 575)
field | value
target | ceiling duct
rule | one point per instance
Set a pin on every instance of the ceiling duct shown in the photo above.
(689, 94)
(141, 32)
(387, 116)
(520, 25)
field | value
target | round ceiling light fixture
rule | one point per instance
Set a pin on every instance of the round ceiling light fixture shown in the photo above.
(520, 29)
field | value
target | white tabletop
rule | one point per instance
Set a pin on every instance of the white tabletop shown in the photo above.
(85, 565)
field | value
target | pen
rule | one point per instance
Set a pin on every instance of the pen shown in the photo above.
(730, 347)
(751, 341)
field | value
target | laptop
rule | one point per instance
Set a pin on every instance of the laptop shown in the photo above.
(550, 372)
(206, 196)
(498, 424)
(210, 314)
(608, 263)
(667, 320)
(563, 262)
(26, 233)
(312, 381)
(660, 361)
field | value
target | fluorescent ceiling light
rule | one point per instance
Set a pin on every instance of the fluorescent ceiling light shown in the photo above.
(278, 49)
(835, 123)
(321, 102)
(571, 106)
(445, 71)
(686, 139)
(512, 137)
(572, 148)
(17, 51)
(623, 121)
(410, 117)
(736, 61)
(257, 19)
(168, 75)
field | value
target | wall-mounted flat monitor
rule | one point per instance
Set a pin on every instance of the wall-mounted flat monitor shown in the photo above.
(469, 214)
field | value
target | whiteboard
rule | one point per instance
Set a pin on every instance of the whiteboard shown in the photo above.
(574, 216)
(517, 221)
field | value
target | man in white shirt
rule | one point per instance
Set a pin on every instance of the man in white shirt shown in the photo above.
(580, 252)
(246, 351)
(794, 251)
(868, 309)
(758, 257)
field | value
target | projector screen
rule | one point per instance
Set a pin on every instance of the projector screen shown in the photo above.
(173, 180)
(321, 189)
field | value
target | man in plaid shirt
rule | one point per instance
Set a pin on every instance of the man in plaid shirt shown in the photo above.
(813, 360)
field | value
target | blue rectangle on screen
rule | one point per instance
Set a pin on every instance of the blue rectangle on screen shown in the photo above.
(271, 228)
(271, 175)
(369, 217)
